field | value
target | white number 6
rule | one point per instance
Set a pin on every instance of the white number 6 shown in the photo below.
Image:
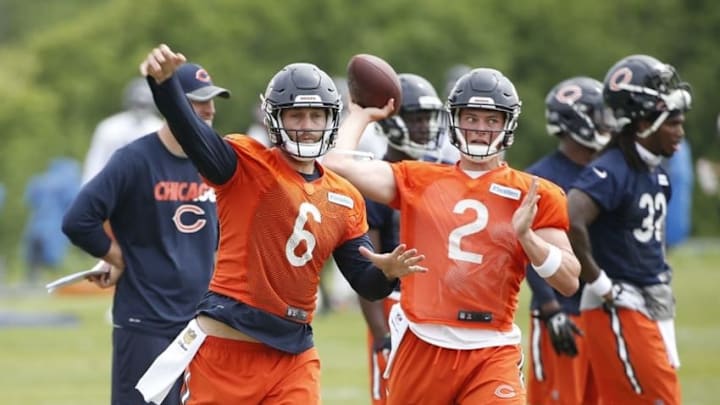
(299, 234)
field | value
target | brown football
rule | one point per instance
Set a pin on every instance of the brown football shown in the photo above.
(372, 82)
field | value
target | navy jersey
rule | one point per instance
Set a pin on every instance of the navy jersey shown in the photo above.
(627, 236)
(386, 221)
(163, 216)
(562, 171)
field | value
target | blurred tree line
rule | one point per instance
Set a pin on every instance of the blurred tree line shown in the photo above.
(63, 64)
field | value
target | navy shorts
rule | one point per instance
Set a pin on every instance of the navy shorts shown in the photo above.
(133, 353)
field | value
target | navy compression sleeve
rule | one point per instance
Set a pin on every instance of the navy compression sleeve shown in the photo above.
(213, 157)
(366, 279)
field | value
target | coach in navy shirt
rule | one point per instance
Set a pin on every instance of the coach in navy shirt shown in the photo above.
(164, 230)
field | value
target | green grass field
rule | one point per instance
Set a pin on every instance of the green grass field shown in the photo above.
(70, 365)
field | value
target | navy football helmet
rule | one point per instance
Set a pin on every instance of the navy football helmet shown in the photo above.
(418, 128)
(486, 89)
(642, 87)
(301, 85)
(575, 107)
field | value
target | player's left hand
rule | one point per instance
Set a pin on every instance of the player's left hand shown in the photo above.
(525, 214)
(562, 332)
(398, 263)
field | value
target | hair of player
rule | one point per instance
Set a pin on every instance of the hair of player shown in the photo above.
(625, 140)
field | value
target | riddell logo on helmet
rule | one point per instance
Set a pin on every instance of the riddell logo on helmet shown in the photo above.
(202, 75)
(620, 77)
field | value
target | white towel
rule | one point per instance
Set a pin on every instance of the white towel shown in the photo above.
(667, 331)
(398, 327)
(157, 381)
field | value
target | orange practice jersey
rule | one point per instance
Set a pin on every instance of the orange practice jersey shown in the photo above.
(277, 230)
(464, 228)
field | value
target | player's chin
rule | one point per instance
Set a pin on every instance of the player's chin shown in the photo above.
(668, 151)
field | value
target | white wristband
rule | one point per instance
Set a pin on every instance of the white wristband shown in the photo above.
(551, 264)
(601, 286)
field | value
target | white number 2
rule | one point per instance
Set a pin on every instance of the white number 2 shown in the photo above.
(651, 227)
(480, 222)
(299, 234)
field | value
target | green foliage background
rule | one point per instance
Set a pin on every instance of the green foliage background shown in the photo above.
(63, 64)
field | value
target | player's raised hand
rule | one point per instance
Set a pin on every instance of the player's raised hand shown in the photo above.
(373, 113)
(398, 263)
(525, 214)
(161, 63)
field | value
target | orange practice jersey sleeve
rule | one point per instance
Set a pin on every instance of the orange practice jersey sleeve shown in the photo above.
(463, 226)
(277, 230)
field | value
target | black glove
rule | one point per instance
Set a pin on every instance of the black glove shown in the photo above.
(562, 332)
(382, 346)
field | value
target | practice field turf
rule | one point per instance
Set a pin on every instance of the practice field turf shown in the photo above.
(68, 363)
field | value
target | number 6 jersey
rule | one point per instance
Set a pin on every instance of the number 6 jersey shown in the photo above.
(277, 230)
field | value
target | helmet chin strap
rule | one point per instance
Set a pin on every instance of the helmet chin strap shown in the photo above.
(479, 159)
(677, 100)
(654, 127)
(303, 152)
(491, 149)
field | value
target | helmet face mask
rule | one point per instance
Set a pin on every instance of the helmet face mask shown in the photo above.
(486, 89)
(301, 85)
(641, 87)
(419, 128)
(575, 107)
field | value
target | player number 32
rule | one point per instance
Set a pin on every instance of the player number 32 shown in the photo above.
(651, 227)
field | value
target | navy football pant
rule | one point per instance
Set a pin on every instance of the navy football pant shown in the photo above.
(133, 353)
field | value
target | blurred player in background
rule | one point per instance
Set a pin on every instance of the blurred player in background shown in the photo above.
(618, 206)
(416, 132)
(164, 223)
(139, 118)
(481, 222)
(47, 196)
(282, 215)
(559, 366)
(679, 219)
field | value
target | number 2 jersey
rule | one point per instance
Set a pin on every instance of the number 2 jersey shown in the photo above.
(635, 203)
(463, 225)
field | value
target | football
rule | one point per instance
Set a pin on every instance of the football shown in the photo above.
(372, 82)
